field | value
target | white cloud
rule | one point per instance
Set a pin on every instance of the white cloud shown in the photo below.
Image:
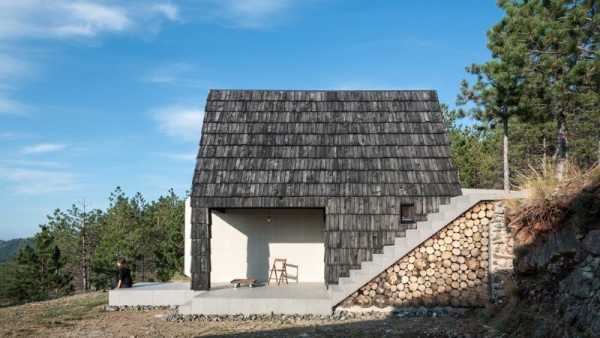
(177, 74)
(179, 121)
(65, 19)
(35, 182)
(170, 11)
(184, 157)
(169, 73)
(256, 8)
(252, 13)
(88, 19)
(11, 107)
(43, 148)
(11, 67)
(72, 18)
(33, 163)
(9, 135)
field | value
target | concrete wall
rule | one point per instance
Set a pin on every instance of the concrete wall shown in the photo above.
(244, 243)
(187, 232)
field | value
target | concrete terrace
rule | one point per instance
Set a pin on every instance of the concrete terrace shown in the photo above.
(301, 298)
(296, 298)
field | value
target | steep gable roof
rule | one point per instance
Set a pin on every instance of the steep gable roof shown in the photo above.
(260, 147)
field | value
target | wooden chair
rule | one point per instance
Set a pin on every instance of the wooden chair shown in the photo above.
(281, 269)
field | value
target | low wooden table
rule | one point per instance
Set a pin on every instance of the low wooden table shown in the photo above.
(249, 282)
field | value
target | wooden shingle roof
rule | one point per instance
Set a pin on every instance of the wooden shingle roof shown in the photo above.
(258, 145)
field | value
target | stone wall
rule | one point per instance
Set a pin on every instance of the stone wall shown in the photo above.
(450, 268)
(501, 256)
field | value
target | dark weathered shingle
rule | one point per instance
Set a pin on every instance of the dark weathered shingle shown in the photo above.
(357, 154)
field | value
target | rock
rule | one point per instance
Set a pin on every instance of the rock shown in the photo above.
(557, 244)
(591, 242)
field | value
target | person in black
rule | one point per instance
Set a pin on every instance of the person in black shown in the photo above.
(124, 279)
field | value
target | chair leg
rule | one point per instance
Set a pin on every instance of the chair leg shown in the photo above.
(273, 271)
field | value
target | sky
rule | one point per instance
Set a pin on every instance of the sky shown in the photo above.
(99, 94)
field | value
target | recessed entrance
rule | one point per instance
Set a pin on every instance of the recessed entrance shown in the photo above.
(245, 242)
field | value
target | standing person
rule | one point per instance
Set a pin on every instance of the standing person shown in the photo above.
(124, 279)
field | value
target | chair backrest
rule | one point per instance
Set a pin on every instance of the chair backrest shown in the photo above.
(282, 262)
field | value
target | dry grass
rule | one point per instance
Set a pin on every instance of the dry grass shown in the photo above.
(83, 316)
(549, 201)
(63, 313)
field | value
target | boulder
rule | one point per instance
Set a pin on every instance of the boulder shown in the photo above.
(591, 242)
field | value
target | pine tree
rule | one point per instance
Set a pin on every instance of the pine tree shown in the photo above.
(167, 218)
(496, 96)
(37, 272)
(553, 46)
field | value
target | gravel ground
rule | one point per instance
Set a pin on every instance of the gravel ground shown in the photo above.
(87, 316)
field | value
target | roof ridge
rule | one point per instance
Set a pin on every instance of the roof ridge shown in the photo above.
(321, 90)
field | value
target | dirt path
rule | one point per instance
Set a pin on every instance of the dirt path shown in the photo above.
(84, 316)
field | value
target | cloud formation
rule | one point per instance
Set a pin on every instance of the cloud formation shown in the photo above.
(43, 148)
(252, 14)
(174, 73)
(36, 181)
(12, 107)
(69, 18)
(183, 157)
(178, 121)
(169, 11)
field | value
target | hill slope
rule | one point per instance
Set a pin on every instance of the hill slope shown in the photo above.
(10, 248)
(557, 265)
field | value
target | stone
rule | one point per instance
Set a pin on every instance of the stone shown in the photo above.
(591, 242)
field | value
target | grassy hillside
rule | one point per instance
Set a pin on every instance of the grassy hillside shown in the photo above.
(557, 265)
(83, 315)
(10, 248)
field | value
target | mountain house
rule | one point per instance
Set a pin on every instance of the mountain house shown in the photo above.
(344, 185)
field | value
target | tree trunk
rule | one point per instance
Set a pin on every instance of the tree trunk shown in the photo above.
(505, 157)
(561, 146)
(544, 160)
(599, 152)
(84, 284)
(143, 268)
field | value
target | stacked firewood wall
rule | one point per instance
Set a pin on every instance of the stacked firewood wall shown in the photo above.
(450, 268)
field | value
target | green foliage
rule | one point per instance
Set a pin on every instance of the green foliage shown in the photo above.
(167, 217)
(148, 235)
(10, 248)
(551, 47)
(37, 272)
(541, 84)
(475, 152)
(78, 248)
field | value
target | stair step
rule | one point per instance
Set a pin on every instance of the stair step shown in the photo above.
(409, 239)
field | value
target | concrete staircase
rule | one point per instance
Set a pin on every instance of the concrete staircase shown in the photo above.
(413, 238)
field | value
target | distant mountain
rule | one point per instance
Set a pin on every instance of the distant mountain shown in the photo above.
(10, 248)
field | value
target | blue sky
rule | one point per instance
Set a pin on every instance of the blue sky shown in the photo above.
(95, 94)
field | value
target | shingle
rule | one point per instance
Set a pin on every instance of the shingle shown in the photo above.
(359, 155)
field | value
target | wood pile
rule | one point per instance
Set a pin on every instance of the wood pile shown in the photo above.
(450, 268)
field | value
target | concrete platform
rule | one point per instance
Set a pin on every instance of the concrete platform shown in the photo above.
(152, 294)
(302, 298)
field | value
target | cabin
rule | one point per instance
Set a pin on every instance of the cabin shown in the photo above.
(325, 179)
(355, 189)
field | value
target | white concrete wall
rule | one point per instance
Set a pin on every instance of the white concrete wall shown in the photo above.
(244, 243)
(187, 233)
